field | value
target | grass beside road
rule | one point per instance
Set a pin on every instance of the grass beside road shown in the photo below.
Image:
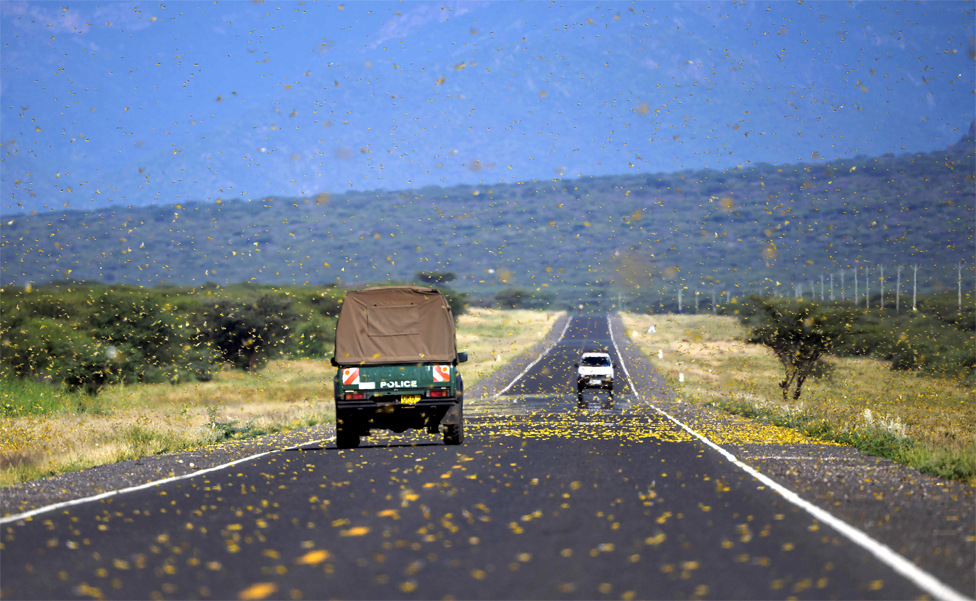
(922, 422)
(46, 430)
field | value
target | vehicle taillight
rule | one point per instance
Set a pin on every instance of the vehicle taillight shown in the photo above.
(355, 396)
(438, 392)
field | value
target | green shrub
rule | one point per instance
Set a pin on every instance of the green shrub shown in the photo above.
(246, 334)
(313, 337)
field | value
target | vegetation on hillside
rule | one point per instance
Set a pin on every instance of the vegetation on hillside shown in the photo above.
(634, 240)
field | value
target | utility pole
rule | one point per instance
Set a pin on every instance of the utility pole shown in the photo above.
(831, 287)
(881, 269)
(843, 294)
(898, 288)
(959, 283)
(679, 300)
(696, 302)
(867, 287)
(856, 291)
(821, 287)
(714, 308)
(914, 287)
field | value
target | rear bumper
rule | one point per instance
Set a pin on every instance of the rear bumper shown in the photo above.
(372, 405)
(363, 416)
(587, 382)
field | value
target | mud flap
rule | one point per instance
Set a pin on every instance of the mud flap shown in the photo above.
(453, 415)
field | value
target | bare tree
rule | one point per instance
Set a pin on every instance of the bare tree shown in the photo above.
(855, 286)
(679, 300)
(831, 287)
(728, 297)
(914, 287)
(797, 290)
(697, 297)
(843, 293)
(898, 289)
(821, 287)
(714, 306)
(881, 269)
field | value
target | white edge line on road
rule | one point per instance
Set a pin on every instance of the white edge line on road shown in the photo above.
(569, 319)
(928, 583)
(112, 493)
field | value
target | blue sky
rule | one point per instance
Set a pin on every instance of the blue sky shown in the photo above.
(138, 103)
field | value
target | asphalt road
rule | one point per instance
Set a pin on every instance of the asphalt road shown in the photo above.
(544, 500)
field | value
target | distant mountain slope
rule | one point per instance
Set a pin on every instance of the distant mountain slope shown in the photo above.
(593, 237)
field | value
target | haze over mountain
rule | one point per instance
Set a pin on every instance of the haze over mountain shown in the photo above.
(138, 103)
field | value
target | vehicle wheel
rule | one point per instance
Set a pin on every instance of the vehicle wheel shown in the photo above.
(454, 433)
(346, 435)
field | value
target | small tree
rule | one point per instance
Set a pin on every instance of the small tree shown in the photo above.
(520, 298)
(798, 334)
(436, 277)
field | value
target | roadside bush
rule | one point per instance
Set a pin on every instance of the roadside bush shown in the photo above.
(936, 340)
(313, 337)
(246, 334)
(143, 321)
(328, 302)
(458, 301)
(520, 298)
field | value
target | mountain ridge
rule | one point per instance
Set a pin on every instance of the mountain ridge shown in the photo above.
(729, 231)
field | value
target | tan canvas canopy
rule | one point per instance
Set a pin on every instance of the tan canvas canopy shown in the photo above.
(395, 324)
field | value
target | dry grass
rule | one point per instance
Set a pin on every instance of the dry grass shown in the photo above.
(128, 422)
(858, 397)
(493, 338)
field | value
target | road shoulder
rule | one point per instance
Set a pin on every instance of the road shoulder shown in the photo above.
(70, 486)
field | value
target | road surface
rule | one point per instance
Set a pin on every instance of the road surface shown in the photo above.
(544, 500)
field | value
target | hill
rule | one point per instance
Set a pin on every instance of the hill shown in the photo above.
(592, 239)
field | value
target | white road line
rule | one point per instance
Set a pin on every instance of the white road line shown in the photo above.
(112, 493)
(531, 365)
(925, 581)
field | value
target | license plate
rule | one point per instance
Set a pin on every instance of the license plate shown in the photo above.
(411, 399)
(596, 382)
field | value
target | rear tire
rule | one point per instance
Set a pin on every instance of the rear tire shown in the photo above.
(454, 433)
(347, 437)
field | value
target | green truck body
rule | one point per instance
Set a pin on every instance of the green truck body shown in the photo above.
(397, 365)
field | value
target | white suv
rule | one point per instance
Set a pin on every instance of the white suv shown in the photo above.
(595, 370)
